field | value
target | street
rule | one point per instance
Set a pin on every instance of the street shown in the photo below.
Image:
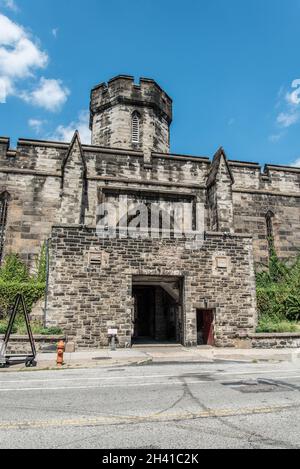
(171, 406)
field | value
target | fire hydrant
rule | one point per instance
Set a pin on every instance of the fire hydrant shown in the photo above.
(60, 353)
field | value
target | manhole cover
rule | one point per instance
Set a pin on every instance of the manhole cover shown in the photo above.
(101, 358)
(200, 377)
(256, 386)
(116, 370)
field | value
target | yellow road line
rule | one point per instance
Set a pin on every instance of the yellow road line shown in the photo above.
(121, 420)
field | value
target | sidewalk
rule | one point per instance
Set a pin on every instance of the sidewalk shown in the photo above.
(159, 354)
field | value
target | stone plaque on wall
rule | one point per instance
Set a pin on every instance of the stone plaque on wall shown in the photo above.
(98, 258)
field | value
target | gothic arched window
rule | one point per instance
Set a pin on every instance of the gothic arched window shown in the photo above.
(135, 128)
(4, 198)
(270, 232)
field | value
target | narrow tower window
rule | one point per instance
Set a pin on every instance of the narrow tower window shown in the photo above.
(270, 232)
(4, 198)
(135, 130)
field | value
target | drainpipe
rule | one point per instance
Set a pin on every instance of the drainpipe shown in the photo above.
(47, 281)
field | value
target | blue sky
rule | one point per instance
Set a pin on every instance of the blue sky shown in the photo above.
(232, 68)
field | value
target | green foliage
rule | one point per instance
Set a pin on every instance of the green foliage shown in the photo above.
(15, 278)
(8, 291)
(42, 265)
(14, 270)
(3, 327)
(278, 296)
(37, 328)
(268, 325)
(51, 331)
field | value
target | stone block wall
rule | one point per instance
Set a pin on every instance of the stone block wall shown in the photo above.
(112, 106)
(86, 298)
(51, 182)
(19, 344)
(276, 341)
(250, 217)
(277, 189)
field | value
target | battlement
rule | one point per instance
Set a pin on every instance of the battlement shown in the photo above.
(122, 89)
(4, 145)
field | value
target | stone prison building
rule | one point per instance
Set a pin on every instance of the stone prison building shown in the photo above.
(148, 288)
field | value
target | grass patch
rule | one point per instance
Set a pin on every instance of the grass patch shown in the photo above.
(267, 325)
(37, 328)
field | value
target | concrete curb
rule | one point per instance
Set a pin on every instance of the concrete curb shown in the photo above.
(50, 366)
(155, 356)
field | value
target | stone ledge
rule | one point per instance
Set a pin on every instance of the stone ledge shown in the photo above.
(43, 343)
(45, 338)
(277, 335)
(276, 340)
(227, 234)
(265, 192)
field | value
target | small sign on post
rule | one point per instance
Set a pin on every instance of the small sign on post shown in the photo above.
(112, 335)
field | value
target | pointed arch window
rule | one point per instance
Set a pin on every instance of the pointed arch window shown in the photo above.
(135, 127)
(4, 199)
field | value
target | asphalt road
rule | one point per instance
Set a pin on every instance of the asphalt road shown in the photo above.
(180, 406)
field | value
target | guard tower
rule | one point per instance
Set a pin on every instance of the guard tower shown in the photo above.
(130, 116)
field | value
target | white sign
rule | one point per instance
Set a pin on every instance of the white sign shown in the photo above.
(112, 331)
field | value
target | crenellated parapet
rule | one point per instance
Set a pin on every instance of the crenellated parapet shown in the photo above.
(124, 114)
(123, 90)
(4, 146)
(50, 182)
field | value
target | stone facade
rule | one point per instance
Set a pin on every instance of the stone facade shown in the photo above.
(54, 183)
(276, 341)
(19, 344)
(86, 299)
(112, 107)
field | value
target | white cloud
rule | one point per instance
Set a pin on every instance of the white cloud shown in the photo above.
(50, 94)
(290, 104)
(275, 137)
(286, 119)
(296, 163)
(36, 125)
(10, 4)
(65, 133)
(20, 58)
(293, 97)
(6, 88)
(54, 32)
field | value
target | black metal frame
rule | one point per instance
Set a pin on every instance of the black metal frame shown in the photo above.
(4, 199)
(7, 359)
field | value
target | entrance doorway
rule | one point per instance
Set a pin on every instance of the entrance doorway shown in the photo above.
(156, 310)
(205, 327)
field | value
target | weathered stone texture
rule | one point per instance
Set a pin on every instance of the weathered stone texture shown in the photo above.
(276, 341)
(52, 183)
(43, 192)
(19, 344)
(112, 106)
(85, 298)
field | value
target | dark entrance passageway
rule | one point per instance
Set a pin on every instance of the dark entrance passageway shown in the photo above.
(156, 310)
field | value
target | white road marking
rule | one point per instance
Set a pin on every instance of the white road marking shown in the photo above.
(167, 383)
(110, 378)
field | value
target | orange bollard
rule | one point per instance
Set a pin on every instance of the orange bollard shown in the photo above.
(60, 353)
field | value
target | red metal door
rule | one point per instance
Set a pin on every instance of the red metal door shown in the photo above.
(208, 327)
